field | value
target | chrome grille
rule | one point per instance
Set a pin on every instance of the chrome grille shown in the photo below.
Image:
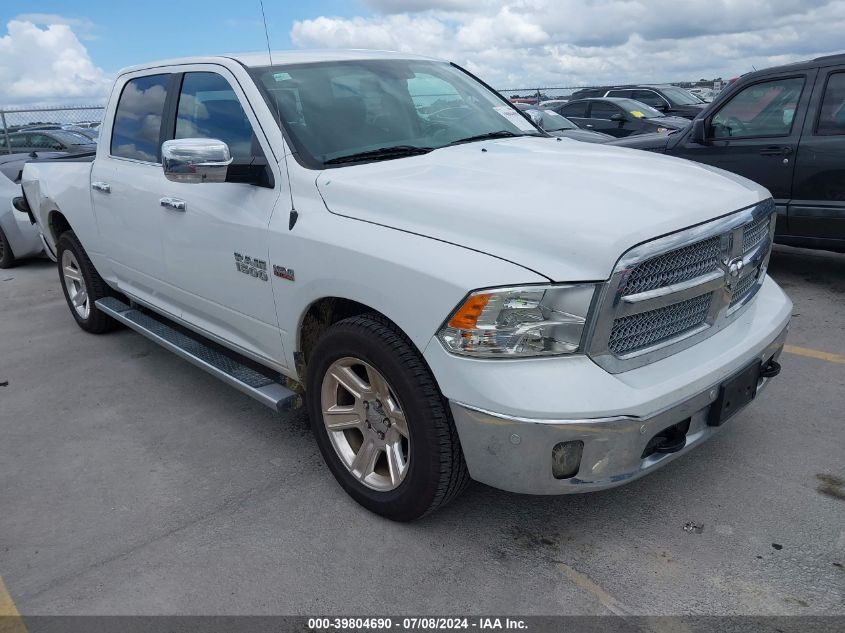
(742, 287)
(681, 264)
(672, 292)
(639, 331)
(754, 233)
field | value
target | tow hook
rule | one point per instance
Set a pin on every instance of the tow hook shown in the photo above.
(770, 369)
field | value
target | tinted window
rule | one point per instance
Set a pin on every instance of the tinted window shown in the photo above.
(764, 109)
(648, 97)
(603, 110)
(137, 124)
(832, 113)
(620, 93)
(209, 108)
(577, 109)
(679, 96)
(42, 141)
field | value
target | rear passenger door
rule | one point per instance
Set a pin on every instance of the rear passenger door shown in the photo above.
(818, 200)
(124, 183)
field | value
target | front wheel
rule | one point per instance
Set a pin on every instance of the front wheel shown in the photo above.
(380, 421)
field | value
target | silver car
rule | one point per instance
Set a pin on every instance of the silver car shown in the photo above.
(19, 238)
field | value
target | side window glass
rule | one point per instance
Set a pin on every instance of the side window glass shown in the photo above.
(649, 98)
(137, 122)
(575, 109)
(764, 109)
(832, 113)
(21, 140)
(42, 141)
(620, 93)
(602, 110)
(209, 108)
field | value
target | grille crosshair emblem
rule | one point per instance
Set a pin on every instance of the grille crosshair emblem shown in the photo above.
(732, 271)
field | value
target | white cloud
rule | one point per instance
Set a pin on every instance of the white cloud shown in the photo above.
(523, 43)
(47, 66)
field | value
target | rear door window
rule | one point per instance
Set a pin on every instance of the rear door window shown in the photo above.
(577, 110)
(603, 110)
(136, 132)
(209, 108)
(832, 112)
(648, 97)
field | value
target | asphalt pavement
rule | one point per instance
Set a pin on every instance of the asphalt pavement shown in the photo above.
(133, 483)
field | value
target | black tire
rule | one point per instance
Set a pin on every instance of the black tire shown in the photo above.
(437, 472)
(96, 322)
(7, 257)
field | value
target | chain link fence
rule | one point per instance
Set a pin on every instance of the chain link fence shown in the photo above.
(18, 125)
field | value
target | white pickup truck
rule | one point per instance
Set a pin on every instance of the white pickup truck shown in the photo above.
(456, 294)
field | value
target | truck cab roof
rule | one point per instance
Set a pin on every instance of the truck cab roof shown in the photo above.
(262, 58)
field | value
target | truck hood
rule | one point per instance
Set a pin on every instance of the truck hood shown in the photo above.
(562, 208)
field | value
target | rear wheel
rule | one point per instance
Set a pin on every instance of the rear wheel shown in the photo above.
(7, 258)
(82, 285)
(380, 421)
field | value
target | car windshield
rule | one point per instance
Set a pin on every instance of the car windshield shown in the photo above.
(553, 122)
(383, 109)
(679, 96)
(639, 109)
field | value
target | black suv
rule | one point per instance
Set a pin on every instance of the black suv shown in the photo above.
(670, 100)
(783, 128)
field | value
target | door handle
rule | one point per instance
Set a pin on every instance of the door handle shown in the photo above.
(102, 187)
(588, 125)
(173, 203)
(776, 150)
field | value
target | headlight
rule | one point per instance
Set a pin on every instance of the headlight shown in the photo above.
(519, 322)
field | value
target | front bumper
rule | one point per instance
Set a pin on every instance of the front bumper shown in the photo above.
(512, 450)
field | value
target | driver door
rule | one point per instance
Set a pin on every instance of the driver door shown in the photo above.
(756, 133)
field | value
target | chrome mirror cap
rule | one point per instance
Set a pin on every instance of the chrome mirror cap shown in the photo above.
(195, 160)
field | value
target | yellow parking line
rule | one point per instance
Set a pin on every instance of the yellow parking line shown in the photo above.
(10, 619)
(814, 353)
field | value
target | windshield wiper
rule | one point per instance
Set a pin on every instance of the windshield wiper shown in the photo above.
(383, 153)
(489, 135)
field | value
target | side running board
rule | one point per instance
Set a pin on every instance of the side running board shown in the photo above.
(254, 383)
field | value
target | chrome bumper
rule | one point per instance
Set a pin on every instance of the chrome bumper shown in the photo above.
(515, 454)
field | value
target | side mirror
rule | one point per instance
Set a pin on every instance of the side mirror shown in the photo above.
(618, 117)
(195, 160)
(696, 134)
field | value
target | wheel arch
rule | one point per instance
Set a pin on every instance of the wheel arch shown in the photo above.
(57, 223)
(324, 312)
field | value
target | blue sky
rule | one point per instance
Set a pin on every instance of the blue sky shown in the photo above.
(57, 51)
(119, 33)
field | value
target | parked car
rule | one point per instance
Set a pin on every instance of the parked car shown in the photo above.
(457, 296)
(552, 103)
(670, 100)
(784, 128)
(619, 117)
(705, 94)
(19, 236)
(52, 139)
(556, 125)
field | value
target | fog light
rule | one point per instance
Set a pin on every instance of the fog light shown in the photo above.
(566, 459)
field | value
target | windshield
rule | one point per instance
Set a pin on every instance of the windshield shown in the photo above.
(639, 109)
(334, 110)
(679, 96)
(553, 122)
